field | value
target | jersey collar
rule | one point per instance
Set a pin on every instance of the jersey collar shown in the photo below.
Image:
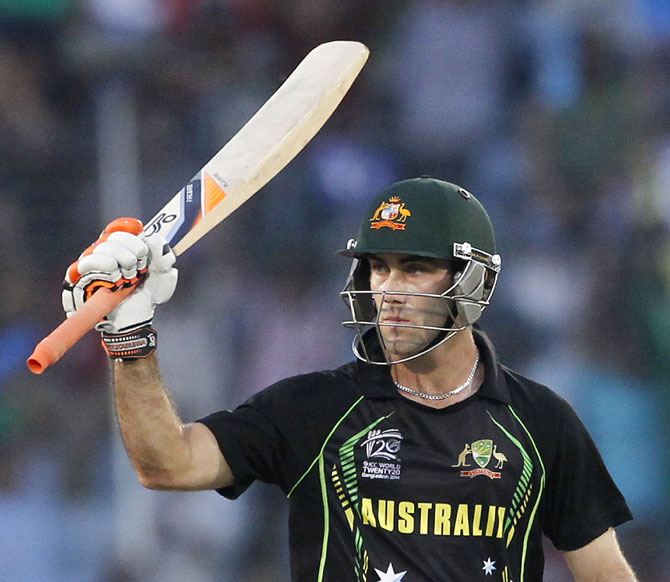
(376, 381)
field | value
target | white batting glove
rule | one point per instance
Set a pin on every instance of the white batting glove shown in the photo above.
(122, 259)
(157, 287)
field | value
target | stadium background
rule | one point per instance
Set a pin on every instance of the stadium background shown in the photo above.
(556, 114)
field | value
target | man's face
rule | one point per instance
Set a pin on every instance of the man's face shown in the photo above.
(410, 274)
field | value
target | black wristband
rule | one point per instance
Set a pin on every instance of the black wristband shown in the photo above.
(131, 345)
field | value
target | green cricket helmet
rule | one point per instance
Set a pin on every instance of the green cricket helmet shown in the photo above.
(430, 218)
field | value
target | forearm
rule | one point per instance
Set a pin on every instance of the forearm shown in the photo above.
(150, 426)
(600, 561)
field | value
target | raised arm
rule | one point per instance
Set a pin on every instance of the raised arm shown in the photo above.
(166, 453)
(600, 561)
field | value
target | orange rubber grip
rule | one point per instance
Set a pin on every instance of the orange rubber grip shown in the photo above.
(60, 340)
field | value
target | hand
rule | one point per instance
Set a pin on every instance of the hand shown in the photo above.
(123, 257)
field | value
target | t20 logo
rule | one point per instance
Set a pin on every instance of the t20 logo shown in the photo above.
(383, 444)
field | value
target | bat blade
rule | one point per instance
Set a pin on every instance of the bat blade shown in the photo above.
(278, 131)
(264, 146)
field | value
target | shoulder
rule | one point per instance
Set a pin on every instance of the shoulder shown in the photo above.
(527, 395)
(502, 383)
(334, 388)
(548, 418)
(534, 404)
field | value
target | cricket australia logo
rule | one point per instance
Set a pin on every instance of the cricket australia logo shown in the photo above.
(481, 452)
(381, 451)
(391, 214)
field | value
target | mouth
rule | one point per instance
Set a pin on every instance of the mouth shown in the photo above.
(394, 319)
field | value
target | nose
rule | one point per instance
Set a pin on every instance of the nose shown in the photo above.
(390, 284)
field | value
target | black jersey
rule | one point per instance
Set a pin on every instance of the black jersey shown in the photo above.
(383, 489)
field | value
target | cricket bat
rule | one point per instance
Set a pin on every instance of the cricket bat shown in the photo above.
(278, 131)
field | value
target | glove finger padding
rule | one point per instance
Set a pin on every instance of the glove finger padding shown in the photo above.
(128, 250)
(161, 256)
(87, 275)
(157, 287)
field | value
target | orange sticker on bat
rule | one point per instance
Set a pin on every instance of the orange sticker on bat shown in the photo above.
(213, 194)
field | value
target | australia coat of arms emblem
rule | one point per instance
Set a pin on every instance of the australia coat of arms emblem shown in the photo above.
(391, 214)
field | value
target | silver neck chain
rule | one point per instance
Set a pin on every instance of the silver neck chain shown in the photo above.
(449, 394)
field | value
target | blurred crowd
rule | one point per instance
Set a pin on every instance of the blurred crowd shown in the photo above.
(555, 113)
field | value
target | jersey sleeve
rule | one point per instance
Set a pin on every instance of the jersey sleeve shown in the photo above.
(250, 443)
(275, 435)
(581, 499)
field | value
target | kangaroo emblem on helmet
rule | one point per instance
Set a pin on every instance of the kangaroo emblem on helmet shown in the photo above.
(391, 214)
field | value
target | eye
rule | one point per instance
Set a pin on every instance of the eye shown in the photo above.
(378, 267)
(416, 268)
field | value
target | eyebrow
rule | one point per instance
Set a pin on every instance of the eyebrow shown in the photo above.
(418, 259)
(441, 263)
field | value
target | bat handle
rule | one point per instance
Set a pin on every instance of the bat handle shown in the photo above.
(60, 340)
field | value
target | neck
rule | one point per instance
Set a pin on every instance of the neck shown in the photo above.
(441, 371)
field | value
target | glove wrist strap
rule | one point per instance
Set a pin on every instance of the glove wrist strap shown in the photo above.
(131, 345)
